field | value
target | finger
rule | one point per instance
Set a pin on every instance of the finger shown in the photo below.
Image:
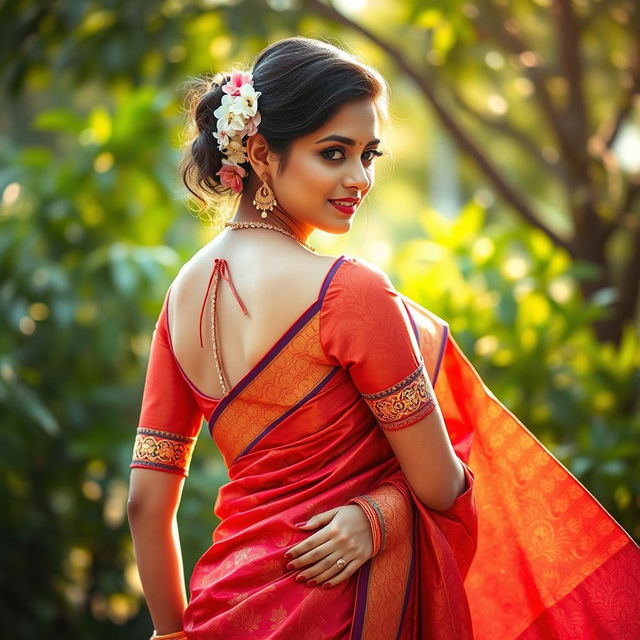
(313, 541)
(315, 561)
(319, 519)
(343, 575)
(330, 569)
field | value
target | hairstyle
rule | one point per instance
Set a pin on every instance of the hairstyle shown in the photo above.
(303, 82)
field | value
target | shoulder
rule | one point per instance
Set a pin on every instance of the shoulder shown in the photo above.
(359, 276)
(359, 292)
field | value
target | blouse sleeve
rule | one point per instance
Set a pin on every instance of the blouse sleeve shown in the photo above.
(366, 329)
(170, 418)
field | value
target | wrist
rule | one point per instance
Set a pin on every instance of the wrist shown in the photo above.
(367, 504)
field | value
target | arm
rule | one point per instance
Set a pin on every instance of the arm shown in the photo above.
(427, 458)
(410, 417)
(366, 328)
(152, 506)
(168, 427)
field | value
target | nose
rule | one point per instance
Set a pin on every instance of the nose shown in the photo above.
(358, 177)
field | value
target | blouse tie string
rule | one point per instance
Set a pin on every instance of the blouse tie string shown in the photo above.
(221, 265)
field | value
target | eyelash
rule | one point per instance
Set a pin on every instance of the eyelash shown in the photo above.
(375, 152)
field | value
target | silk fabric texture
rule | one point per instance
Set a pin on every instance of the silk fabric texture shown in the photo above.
(525, 552)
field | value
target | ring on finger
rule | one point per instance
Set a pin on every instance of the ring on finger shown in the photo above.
(342, 563)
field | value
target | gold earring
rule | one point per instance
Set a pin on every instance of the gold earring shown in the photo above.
(264, 200)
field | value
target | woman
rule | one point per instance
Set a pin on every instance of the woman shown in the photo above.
(352, 426)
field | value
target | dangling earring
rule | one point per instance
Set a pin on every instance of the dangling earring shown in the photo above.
(264, 200)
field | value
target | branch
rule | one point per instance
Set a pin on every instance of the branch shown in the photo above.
(633, 191)
(568, 35)
(506, 128)
(630, 282)
(507, 34)
(464, 142)
(609, 130)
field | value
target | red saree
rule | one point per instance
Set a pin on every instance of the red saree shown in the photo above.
(525, 552)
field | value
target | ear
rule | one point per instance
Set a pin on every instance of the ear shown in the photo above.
(261, 159)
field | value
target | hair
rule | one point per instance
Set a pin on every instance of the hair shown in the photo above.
(303, 82)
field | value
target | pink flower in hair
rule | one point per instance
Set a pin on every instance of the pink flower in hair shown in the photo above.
(238, 78)
(251, 128)
(231, 176)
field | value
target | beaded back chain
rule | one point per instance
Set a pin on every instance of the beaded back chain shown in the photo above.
(214, 340)
(266, 225)
(216, 279)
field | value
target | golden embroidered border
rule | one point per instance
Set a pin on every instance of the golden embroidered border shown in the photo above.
(405, 402)
(163, 450)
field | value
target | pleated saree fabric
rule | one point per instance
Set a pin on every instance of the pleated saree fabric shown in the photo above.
(525, 551)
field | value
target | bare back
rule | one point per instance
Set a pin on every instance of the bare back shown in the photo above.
(275, 278)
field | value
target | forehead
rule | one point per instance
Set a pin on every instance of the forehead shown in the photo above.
(357, 120)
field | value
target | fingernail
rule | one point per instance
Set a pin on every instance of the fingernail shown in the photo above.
(326, 585)
(311, 582)
(300, 578)
(288, 556)
(290, 565)
(299, 524)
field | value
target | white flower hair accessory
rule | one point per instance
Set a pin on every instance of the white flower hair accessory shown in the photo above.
(238, 117)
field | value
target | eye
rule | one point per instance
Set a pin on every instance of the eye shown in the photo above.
(332, 150)
(374, 152)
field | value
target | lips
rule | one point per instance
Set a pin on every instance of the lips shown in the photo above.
(345, 205)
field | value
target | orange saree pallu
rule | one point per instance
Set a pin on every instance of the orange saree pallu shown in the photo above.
(525, 551)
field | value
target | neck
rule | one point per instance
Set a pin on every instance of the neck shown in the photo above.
(278, 217)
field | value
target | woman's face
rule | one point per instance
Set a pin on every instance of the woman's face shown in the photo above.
(334, 163)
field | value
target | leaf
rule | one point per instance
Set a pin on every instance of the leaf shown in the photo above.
(27, 402)
(60, 119)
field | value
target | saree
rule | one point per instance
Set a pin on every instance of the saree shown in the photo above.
(524, 552)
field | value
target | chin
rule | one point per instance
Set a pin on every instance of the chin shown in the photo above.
(336, 229)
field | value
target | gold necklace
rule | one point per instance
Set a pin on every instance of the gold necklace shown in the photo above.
(266, 225)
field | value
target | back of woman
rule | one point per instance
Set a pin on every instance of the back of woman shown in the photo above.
(352, 427)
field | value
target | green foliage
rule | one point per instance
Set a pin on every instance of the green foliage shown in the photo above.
(84, 263)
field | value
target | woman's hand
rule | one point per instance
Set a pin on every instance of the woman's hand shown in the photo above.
(346, 534)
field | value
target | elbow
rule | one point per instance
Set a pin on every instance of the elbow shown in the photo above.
(147, 510)
(438, 500)
(134, 508)
(447, 496)
(139, 509)
(439, 503)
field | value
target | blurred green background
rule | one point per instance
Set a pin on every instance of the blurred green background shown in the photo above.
(508, 204)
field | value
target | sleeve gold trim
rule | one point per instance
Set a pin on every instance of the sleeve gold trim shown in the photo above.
(404, 403)
(162, 450)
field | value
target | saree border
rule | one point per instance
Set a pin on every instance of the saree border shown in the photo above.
(365, 624)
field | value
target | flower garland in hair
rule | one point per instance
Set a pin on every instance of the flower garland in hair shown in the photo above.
(238, 117)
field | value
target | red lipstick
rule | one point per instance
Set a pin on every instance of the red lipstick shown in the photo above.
(345, 205)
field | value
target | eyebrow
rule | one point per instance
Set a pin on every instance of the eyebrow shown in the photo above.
(336, 138)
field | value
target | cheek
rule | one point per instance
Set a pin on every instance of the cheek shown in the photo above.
(313, 175)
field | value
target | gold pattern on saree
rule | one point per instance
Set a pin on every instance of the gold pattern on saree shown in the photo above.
(405, 402)
(163, 450)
